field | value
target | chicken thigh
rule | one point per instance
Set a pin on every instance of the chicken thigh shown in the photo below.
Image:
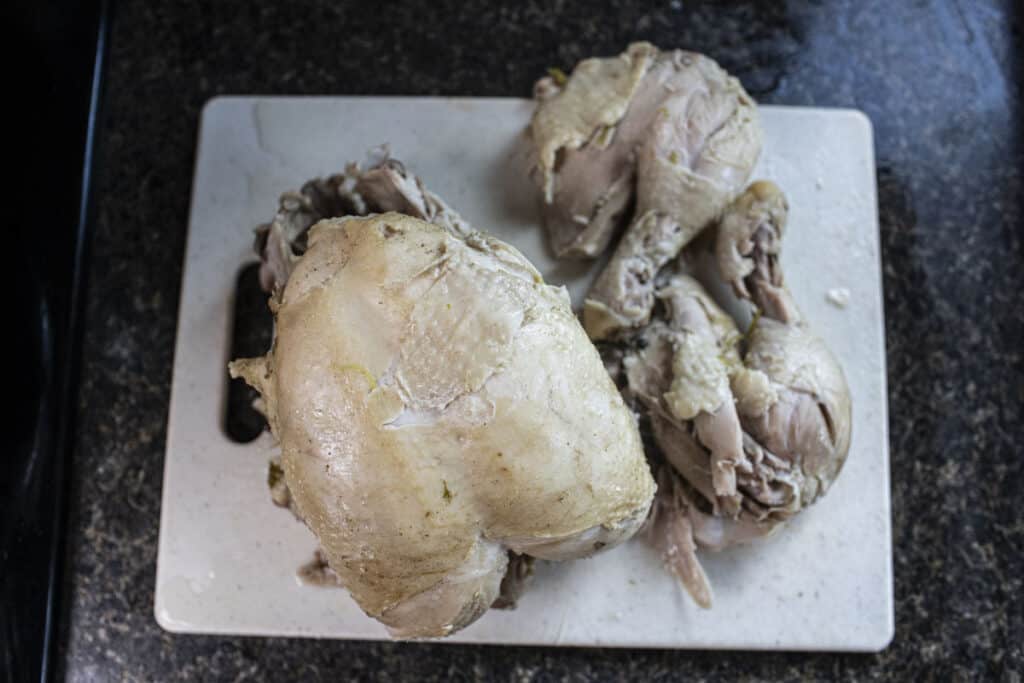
(669, 132)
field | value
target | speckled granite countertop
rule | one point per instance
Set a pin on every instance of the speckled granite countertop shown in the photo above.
(939, 80)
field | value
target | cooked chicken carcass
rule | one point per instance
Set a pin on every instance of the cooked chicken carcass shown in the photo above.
(670, 129)
(385, 186)
(437, 406)
(750, 442)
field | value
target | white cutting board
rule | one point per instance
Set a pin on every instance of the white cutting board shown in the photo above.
(227, 556)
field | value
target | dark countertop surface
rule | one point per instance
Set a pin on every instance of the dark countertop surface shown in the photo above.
(940, 81)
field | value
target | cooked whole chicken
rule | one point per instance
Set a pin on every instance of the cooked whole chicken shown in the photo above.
(670, 132)
(750, 440)
(438, 406)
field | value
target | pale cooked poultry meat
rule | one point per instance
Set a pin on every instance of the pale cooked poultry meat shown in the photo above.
(589, 172)
(671, 130)
(683, 370)
(804, 414)
(698, 154)
(680, 367)
(437, 406)
(752, 441)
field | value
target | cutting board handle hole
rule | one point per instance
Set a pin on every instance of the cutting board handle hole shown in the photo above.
(251, 333)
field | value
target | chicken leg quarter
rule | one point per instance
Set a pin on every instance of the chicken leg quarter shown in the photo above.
(750, 441)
